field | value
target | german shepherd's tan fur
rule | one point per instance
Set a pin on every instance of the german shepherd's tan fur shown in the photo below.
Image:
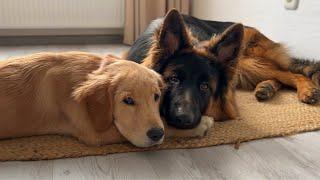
(261, 65)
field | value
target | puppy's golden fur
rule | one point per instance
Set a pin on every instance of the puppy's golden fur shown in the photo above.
(78, 94)
(81, 95)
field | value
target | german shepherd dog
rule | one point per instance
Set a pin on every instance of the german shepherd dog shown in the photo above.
(202, 63)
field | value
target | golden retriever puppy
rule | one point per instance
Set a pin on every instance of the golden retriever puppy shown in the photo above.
(97, 100)
(79, 94)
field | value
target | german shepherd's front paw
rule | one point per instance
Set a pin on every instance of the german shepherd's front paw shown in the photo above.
(204, 126)
(310, 95)
(264, 92)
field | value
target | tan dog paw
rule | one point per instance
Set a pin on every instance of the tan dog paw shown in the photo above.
(263, 93)
(204, 126)
(309, 95)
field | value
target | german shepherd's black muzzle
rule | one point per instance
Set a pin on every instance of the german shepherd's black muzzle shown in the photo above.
(182, 108)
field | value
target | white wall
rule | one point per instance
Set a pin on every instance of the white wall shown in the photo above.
(299, 30)
(46, 14)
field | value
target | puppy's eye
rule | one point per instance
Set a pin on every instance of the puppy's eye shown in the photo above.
(204, 86)
(156, 97)
(128, 101)
(174, 80)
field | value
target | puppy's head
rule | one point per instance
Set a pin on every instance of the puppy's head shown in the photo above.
(128, 95)
(198, 75)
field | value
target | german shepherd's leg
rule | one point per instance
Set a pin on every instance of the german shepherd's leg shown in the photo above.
(266, 89)
(225, 108)
(308, 68)
(316, 78)
(254, 71)
(230, 107)
(306, 89)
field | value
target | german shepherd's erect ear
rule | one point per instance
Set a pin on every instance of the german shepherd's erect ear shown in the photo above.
(97, 94)
(171, 37)
(226, 47)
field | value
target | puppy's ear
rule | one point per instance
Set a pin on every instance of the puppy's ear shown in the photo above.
(97, 95)
(227, 46)
(161, 83)
(171, 37)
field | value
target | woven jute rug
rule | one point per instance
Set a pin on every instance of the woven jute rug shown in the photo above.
(283, 115)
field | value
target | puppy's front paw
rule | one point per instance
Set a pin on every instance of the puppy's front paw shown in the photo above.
(204, 126)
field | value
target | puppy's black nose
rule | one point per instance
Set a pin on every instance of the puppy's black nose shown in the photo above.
(155, 134)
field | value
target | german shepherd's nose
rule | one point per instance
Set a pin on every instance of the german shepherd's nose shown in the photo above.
(155, 134)
(184, 119)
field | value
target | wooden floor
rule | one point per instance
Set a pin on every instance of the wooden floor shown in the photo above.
(295, 157)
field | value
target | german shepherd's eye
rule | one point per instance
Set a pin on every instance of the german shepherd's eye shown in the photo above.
(204, 86)
(156, 97)
(128, 101)
(174, 80)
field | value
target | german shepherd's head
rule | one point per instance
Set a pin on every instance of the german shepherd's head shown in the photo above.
(198, 75)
